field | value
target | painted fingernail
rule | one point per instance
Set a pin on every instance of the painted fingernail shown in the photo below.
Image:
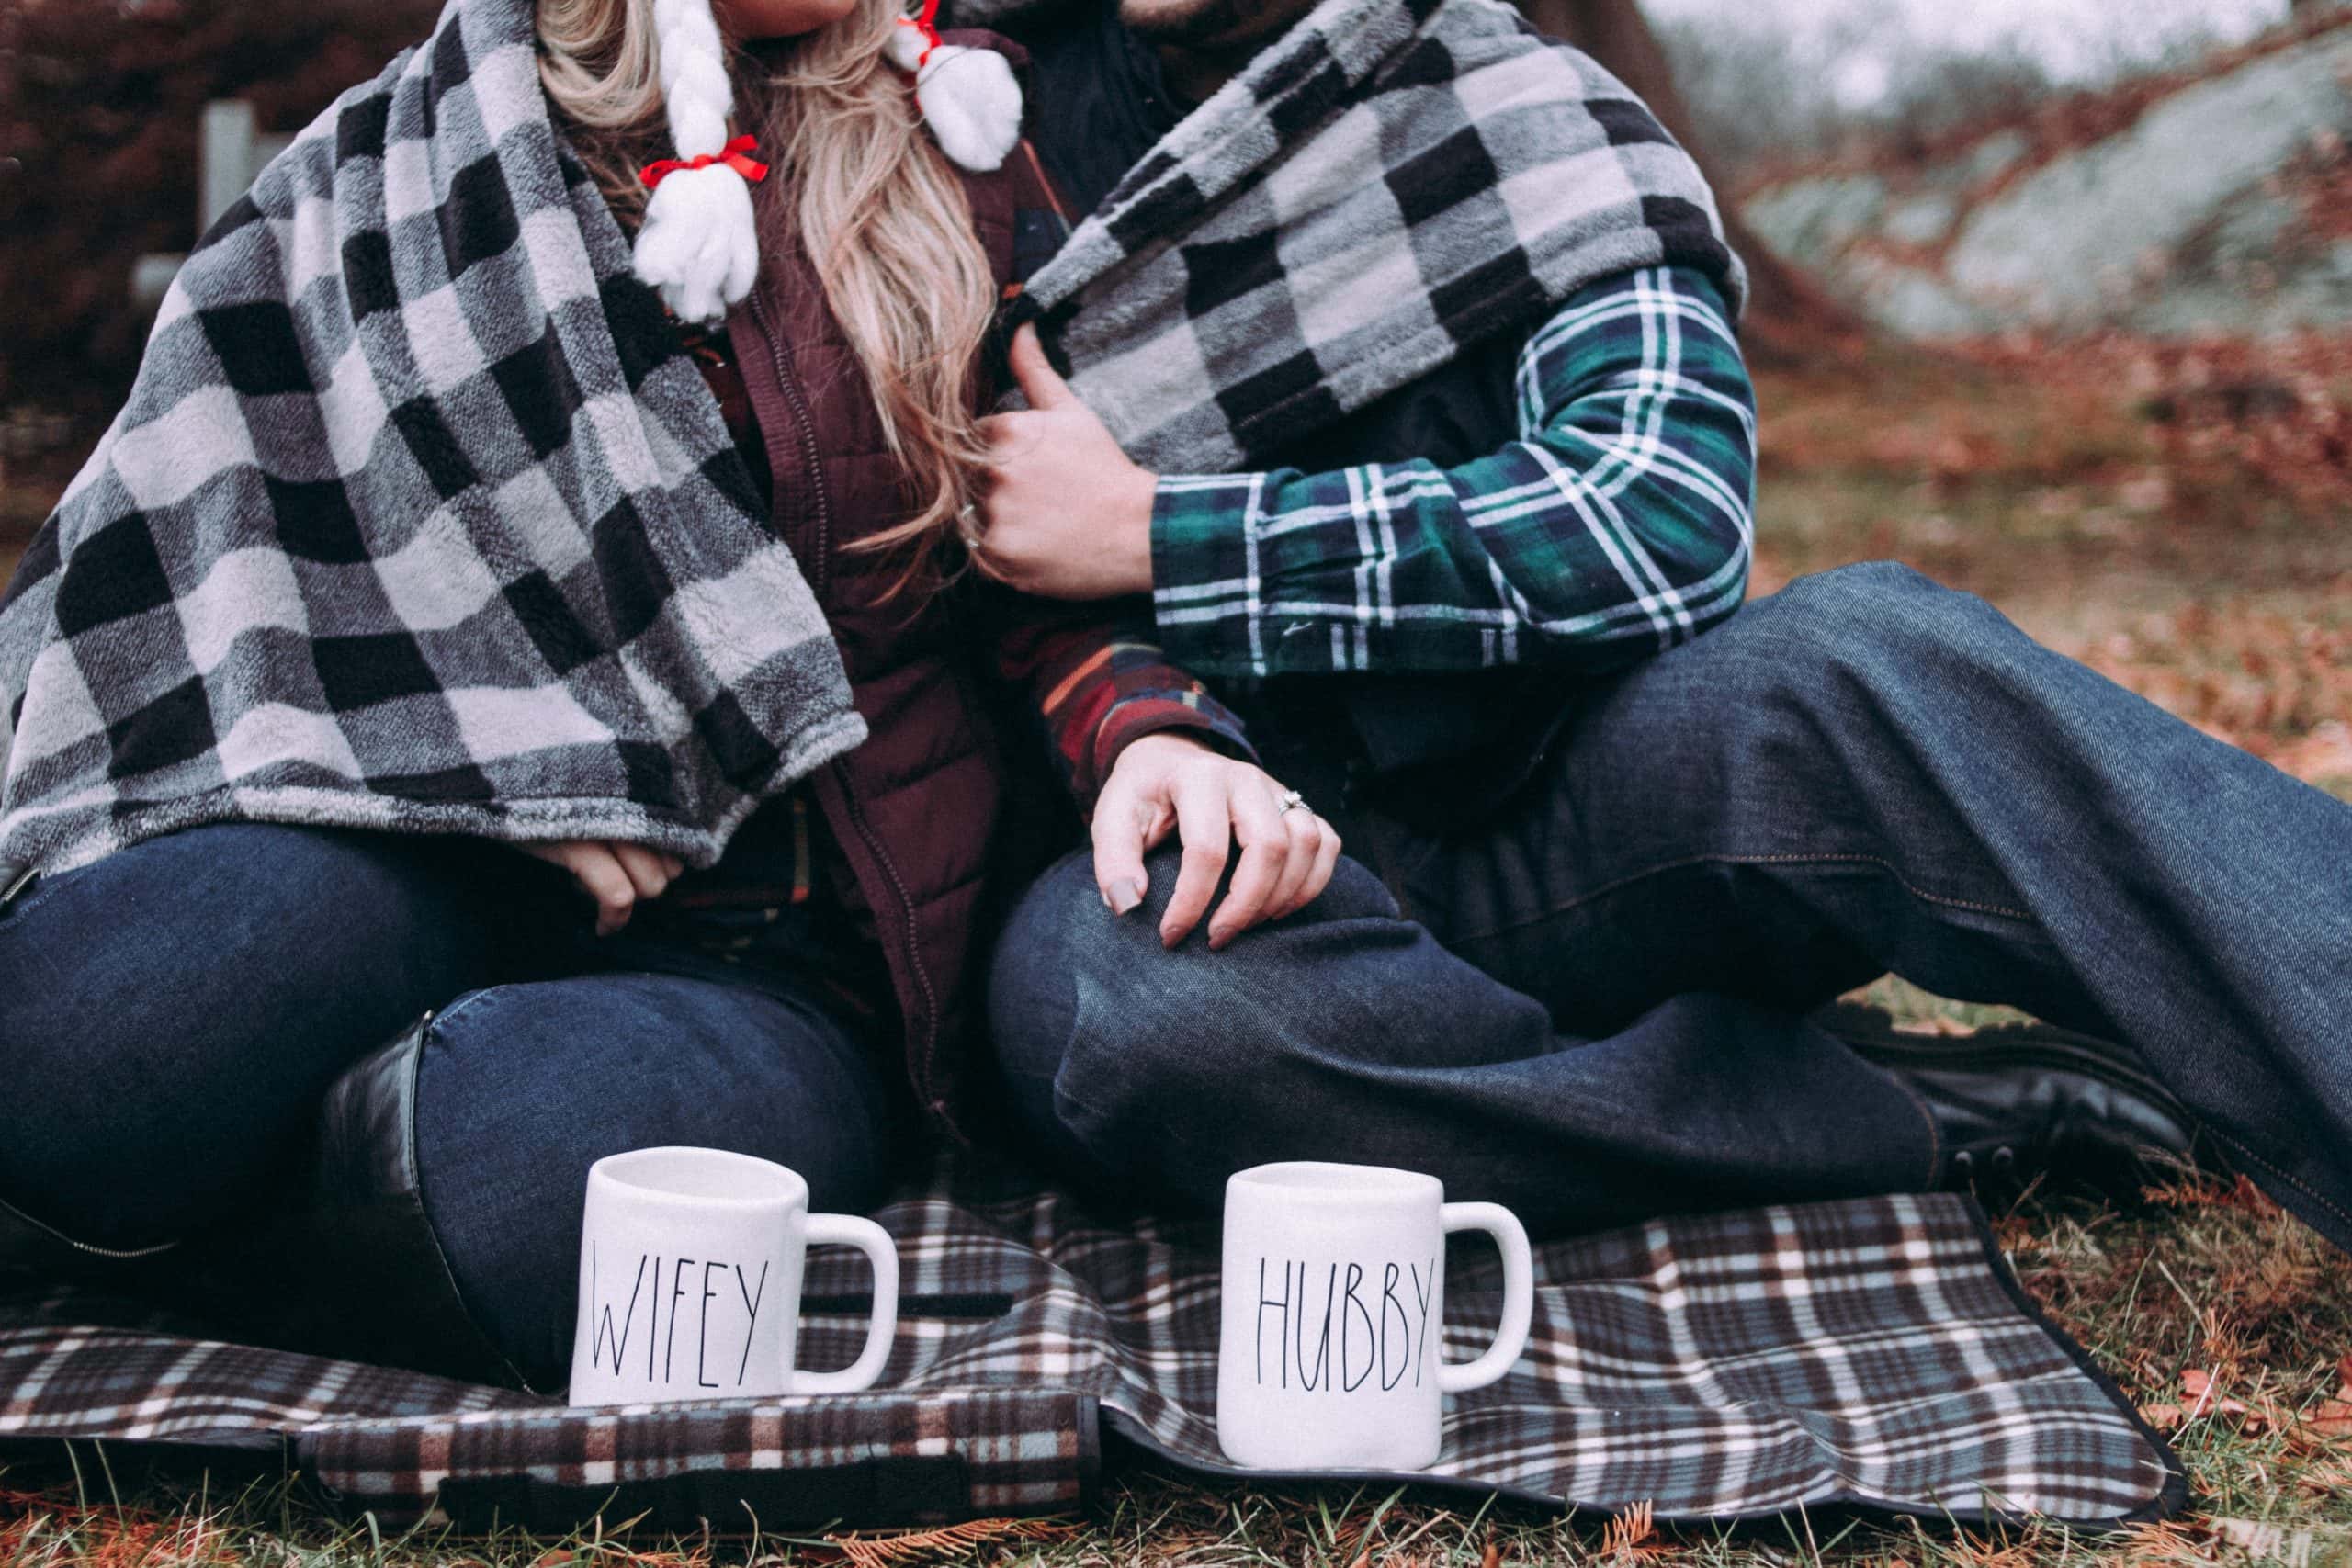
(1124, 896)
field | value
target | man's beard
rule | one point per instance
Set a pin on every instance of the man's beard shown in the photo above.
(1212, 24)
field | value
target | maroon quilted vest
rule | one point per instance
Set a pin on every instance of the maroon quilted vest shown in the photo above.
(915, 809)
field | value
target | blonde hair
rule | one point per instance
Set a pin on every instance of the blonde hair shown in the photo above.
(877, 209)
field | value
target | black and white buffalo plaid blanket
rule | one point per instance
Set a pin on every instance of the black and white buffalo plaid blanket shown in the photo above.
(1391, 184)
(1874, 1354)
(415, 519)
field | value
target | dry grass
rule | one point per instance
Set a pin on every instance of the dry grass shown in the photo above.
(2180, 518)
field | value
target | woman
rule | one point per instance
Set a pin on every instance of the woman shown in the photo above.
(424, 528)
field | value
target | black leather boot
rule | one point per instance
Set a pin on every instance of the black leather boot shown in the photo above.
(354, 1270)
(2025, 1102)
(396, 1299)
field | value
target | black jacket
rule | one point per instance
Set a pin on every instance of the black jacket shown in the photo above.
(1436, 750)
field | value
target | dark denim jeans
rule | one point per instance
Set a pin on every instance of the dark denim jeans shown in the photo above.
(171, 1016)
(1594, 1010)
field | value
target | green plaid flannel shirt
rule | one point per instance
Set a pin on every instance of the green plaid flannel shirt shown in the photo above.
(1619, 523)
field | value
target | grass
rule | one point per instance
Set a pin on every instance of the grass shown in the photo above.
(2210, 1288)
(2182, 519)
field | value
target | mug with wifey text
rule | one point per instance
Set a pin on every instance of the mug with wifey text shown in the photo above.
(690, 1268)
(1332, 1351)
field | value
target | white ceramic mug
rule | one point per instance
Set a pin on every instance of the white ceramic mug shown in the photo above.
(690, 1266)
(1332, 1351)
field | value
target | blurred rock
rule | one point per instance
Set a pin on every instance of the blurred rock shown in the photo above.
(2212, 200)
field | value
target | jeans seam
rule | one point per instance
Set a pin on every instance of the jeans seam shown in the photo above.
(43, 888)
(425, 1031)
(1935, 1132)
(441, 1020)
(2000, 910)
(1059, 1094)
(2300, 1186)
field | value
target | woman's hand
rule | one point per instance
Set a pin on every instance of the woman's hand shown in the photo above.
(1170, 780)
(614, 874)
(1068, 515)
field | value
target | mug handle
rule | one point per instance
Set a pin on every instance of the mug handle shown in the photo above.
(1519, 1295)
(848, 1230)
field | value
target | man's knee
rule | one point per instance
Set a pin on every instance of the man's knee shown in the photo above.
(1874, 609)
(1838, 641)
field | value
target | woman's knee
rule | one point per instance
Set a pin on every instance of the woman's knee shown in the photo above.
(235, 919)
(173, 1011)
(563, 1071)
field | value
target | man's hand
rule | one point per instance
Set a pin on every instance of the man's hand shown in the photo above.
(1067, 515)
(1168, 780)
(614, 874)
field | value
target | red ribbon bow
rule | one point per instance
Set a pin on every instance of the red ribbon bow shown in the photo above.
(736, 155)
(925, 24)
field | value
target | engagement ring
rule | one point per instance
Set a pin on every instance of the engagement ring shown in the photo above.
(1292, 801)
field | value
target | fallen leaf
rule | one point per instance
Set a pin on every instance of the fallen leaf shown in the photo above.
(2295, 1547)
(2198, 1384)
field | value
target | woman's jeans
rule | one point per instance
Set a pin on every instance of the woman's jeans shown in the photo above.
(171, 1016)
(1593, 1009)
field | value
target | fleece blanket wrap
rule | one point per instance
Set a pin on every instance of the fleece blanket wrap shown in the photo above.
(1392, 182)
(415, 520)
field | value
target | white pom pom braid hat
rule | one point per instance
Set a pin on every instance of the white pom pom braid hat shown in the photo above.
(699, 244)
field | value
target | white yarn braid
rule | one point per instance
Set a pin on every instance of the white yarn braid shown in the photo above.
(695, 88)
(700, 245)
(969, 97)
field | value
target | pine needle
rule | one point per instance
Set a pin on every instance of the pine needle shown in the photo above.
(863, 1550)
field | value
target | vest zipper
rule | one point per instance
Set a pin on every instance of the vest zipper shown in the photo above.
(788, 378)
(820, 572)
(918, 1061)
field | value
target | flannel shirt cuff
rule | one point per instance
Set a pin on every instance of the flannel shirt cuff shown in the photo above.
(1204, 556)
(1247, 571)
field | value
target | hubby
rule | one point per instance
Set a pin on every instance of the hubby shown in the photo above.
(1601, 866)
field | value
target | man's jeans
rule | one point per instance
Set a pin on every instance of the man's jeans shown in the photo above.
(171, 1016)
(1595, 1010)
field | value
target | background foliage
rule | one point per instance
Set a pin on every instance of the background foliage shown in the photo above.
(99, 101)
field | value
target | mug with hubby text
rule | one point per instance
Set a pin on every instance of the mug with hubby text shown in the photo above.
(690, 1266)
(1332, 1351)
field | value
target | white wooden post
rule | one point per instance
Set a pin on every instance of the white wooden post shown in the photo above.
(224, 161)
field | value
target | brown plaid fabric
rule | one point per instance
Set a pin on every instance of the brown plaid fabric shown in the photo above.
(1874, 1353)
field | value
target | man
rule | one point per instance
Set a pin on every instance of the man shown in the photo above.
(1610, 843)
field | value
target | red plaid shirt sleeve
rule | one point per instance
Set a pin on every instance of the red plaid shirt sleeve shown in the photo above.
(1098, 686)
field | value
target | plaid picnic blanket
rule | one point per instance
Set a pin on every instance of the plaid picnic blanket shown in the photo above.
(1874, 1354)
